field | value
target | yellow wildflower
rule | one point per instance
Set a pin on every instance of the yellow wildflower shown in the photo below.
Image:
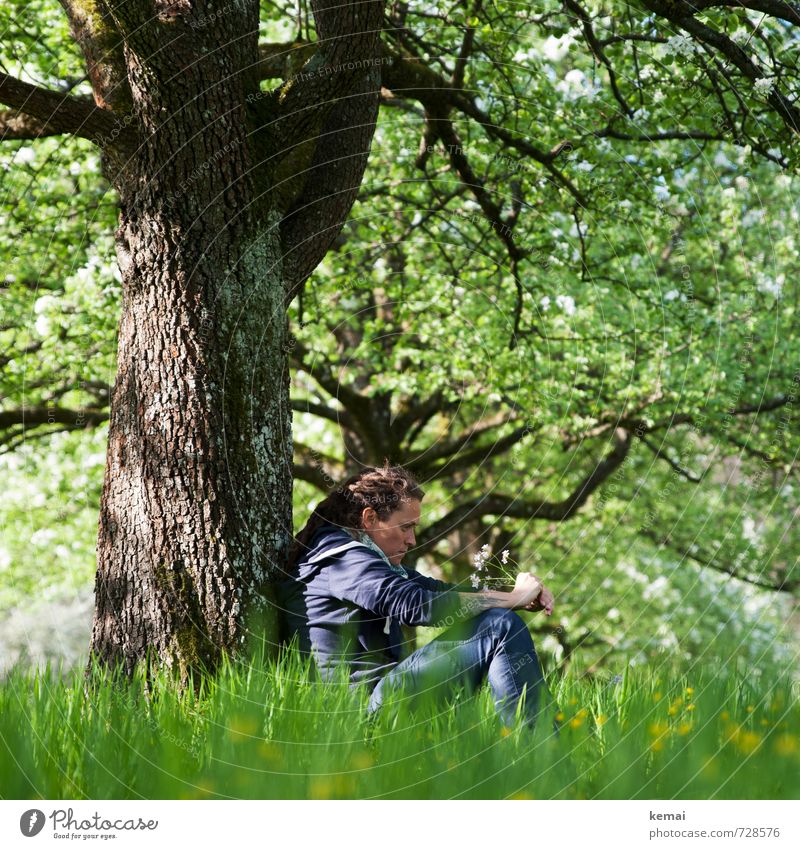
(269, 751)
(689, 691)
(242, 727)
(363, 760)
(320, 788)
(786, 745)
(748, 741)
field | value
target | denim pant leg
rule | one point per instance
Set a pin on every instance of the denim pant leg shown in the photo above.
(495, 646)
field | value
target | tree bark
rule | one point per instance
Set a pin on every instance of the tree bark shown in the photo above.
(195, 512)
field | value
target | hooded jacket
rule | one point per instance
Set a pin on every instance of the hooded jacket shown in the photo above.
(346, 604)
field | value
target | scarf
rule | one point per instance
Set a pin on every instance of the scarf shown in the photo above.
(367, 540)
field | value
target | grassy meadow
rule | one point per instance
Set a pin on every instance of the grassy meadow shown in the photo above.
(266, 730)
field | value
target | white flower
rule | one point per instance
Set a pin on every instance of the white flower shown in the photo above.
(555, 49)
(770, 285)
(576, 84)
(681, 44)
(567, 303)
(749, 529)
(661, 192)
(764, 86)
(25, 155)
(545, 303)
(475, 581)
(671, 295)
(584, 166)
(722, 161)
(504, 557)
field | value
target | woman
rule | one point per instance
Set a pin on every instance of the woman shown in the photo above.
(346, 595)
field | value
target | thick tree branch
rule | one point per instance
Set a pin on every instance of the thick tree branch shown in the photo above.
(356, 405)
(681, 14)
(60, 113)
(320, 124)
(518, 508)
(637, 424)
(780, 9)
(339, 417)
(665, 540)
(17, 125)
(94, 31)
(36, 416)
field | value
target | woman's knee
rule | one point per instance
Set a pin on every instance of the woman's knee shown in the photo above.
(503, 621)
(501, 615)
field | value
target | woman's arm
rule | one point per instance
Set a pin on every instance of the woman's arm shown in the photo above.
(528, 594)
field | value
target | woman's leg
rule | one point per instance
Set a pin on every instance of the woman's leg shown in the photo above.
(495, 645)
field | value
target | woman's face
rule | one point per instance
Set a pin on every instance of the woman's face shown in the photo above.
(394, 535)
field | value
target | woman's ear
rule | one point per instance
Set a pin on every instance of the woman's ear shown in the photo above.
(368, 517)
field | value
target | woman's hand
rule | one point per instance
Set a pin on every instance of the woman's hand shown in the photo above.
(527, 589)
(545, 601)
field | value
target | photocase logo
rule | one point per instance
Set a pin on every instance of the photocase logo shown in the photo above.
(31, 822)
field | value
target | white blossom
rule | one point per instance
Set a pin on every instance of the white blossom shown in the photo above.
(566, 303)
(555, 49)
(25, 155)
(576, 84)
(749, 529)
(764, 86)
(770, 285)
(682, 45)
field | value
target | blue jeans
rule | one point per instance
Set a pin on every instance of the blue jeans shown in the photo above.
(494, 645)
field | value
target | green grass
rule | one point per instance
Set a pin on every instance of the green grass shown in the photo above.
(263, 730)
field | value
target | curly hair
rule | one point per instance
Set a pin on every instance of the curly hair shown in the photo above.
(383, 488)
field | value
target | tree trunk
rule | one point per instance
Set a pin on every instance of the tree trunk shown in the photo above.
(196, 503)
(196, 506)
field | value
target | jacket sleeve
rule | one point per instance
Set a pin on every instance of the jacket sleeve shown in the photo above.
(433, 584)
(364, 579)
(440, 586)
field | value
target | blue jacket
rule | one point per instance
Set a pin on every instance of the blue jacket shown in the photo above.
(346, 604)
